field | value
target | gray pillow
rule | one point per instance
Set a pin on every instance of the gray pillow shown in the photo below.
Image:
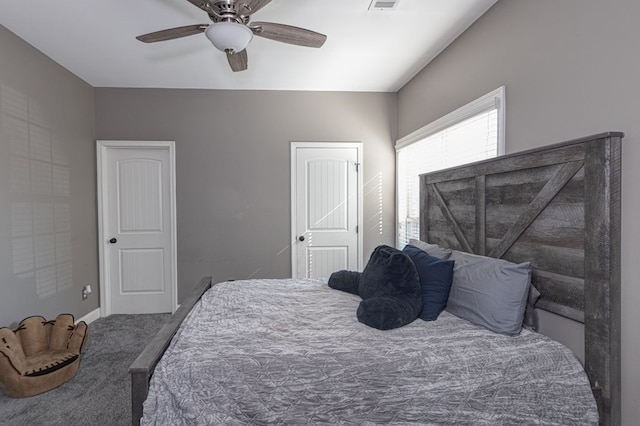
(489, 292)
(530, 318)
(433, 249)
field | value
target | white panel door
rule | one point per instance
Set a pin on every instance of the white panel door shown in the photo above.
(138, 229)
(326, 204)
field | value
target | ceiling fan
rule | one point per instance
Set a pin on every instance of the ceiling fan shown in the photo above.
(231, 32)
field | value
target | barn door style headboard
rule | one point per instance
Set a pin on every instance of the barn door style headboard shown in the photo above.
(559, 208)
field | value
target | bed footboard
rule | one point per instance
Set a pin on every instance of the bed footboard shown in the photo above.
(142, 368)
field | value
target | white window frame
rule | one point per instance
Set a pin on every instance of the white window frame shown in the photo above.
(494, 99)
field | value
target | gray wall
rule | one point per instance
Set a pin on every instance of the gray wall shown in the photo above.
(571, 69)
(47, 186)
(233, 167)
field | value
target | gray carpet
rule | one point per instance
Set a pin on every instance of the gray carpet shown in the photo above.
(100, 392)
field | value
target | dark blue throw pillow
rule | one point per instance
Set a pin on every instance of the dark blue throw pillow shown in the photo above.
(436, 276)
(390, 289)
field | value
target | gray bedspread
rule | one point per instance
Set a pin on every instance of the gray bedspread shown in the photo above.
(292, 352)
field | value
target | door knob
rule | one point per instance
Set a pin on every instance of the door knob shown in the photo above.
(113, 241)
(301, 238)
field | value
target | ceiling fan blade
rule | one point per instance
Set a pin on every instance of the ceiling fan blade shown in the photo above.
(288, 34)
(172, 33)
(252, 5)
(238, 61)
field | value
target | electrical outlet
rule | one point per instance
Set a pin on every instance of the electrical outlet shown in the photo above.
(86, 291)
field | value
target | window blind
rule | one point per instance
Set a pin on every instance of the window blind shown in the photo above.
(469, 140)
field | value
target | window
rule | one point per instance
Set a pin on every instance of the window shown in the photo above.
(472, 133)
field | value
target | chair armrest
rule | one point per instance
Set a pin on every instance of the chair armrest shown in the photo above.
(11, 349)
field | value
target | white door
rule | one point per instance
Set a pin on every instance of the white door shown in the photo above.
(137, 227)
(326, 208)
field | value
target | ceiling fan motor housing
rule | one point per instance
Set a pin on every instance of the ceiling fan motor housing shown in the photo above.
(229, 11)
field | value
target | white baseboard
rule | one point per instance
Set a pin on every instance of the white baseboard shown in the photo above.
(91, 316)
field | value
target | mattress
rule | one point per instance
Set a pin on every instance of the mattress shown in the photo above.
(292, 352)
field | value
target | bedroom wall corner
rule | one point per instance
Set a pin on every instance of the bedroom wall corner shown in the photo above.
(48, 247)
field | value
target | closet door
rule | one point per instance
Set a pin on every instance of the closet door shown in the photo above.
(325, 208)
(137, 228)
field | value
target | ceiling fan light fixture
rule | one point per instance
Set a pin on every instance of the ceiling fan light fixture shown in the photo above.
(229, 36)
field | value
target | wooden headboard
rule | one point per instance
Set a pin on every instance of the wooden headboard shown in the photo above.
(559, 208)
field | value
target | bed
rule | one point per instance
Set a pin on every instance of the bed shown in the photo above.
(292, 352)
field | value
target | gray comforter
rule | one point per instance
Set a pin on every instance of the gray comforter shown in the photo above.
(292, 352)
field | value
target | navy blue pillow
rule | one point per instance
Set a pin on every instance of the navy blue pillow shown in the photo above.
(436, 276)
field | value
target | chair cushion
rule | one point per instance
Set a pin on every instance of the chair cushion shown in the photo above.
(48, 361)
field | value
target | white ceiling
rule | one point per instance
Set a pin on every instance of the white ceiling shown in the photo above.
(366, 50)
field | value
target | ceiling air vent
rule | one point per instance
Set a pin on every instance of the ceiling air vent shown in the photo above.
(383, 4)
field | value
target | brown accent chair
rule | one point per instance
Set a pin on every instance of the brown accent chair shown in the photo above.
(40, 355)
